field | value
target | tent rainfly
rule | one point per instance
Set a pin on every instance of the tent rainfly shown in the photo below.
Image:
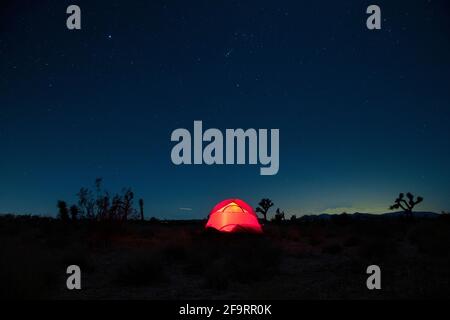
(233, 215)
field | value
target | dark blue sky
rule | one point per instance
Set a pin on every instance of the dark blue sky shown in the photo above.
(363, 115)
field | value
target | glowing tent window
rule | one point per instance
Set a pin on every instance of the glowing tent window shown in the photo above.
(233, 208)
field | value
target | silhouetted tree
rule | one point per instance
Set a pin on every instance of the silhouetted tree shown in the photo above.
(86, 203)
(102, 206)
(279, 215)
(141, 208)
(63, 211)
(115, 210)
(102, 202)
(74, 211)
(264, 206)
(293, 217)
(407, 205)
(127, 204)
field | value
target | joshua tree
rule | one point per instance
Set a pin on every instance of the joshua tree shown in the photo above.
(63, 212)
(406, 205)
(264, 206)
(279, 215)
(74, 212)
(141, 208)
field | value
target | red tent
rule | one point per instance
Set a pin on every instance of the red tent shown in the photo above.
(233, 215)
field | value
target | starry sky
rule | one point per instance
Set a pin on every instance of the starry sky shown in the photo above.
(363, 115)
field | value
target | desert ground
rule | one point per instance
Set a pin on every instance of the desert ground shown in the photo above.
(180, 260)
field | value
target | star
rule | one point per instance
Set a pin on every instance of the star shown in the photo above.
(228, 53)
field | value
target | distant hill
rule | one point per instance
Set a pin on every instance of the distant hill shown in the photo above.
(419, 214)
(369, 216)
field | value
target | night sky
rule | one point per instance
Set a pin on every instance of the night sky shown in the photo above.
(363, 115)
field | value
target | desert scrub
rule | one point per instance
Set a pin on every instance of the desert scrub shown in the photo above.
(27, 273)
(352, 241)
(432, 238)
(141, 269)
(175, 252)
(377, 249)
(78, 255)
(243, 259)
(218, 275)
(332, 249)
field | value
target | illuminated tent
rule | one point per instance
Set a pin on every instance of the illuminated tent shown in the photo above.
(233, 215)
